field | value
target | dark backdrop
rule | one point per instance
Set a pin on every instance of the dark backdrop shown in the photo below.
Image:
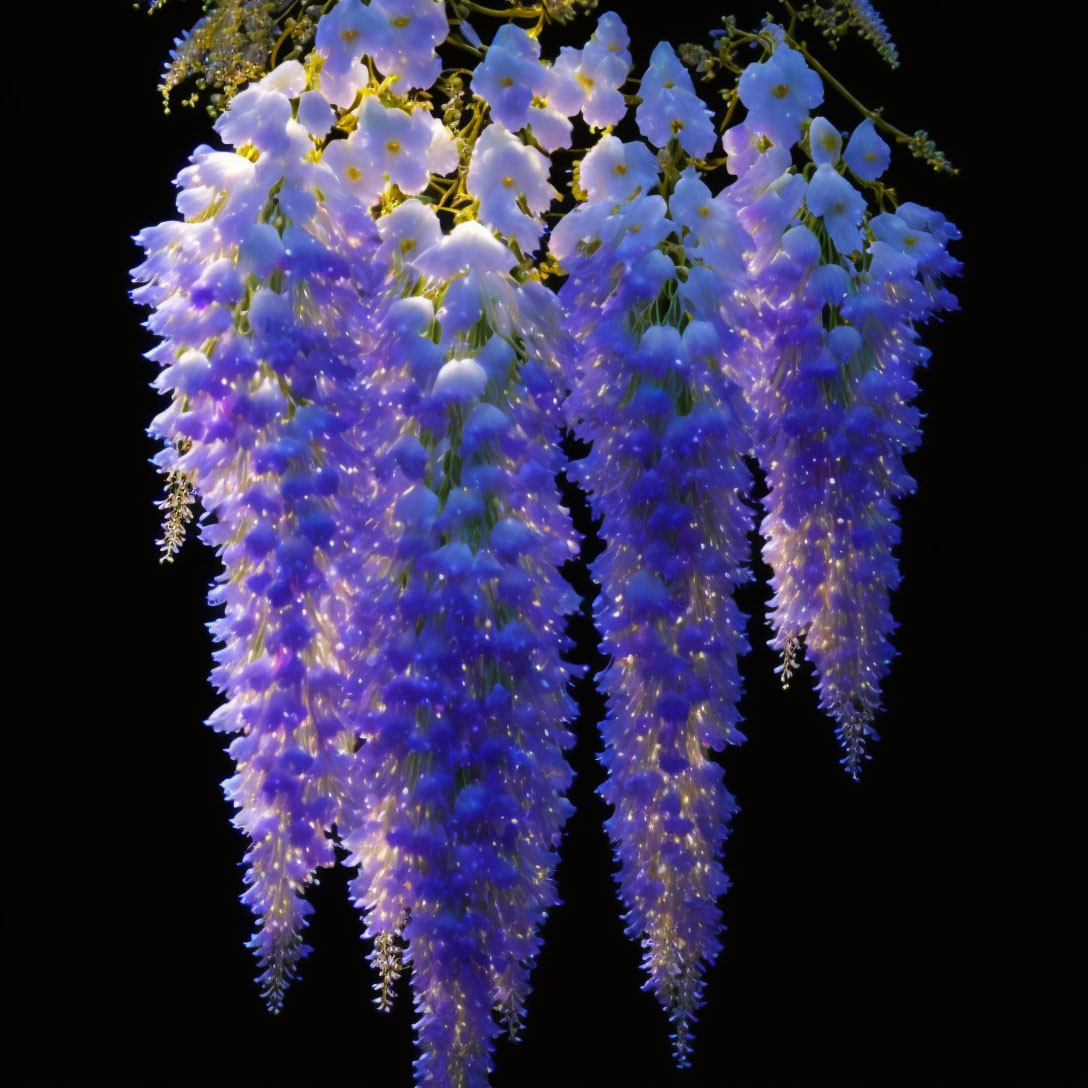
(915, 927)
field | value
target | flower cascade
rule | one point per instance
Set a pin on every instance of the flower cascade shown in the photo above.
(669, 430)
(841, 288)
(368, 371)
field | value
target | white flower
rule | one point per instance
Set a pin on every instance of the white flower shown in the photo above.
(460, 379)
(503, 173)
(670, 107)
(288, 78)
(470, 246)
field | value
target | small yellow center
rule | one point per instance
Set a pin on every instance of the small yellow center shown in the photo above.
(349, 35)
(393, 146)
(704, 211)
(354, 173)
(620, 168)
(586, 81)
(870, 156)
(508, 181)
(780, 90)
(613, 47)
(402, 21)
(910, 240)
(636, 228)
(669, 84)
(506, 81)
(407, 245)
(829, 141)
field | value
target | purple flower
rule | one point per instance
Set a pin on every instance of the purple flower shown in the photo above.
(671, 108)
(779, 93)
(866, 153)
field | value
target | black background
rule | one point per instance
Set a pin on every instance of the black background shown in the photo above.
(917, 927)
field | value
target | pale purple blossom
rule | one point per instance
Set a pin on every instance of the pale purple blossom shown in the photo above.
(509, 75)
(779, 93)
(671, 108)
(866, 153)
(505, 174)
(838, 205)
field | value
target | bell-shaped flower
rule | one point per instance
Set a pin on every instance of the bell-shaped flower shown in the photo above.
(259, 117)
(470, 246)
(442, 154)
(909, 240)
(409, 229)
(588, 80)
(611, 38)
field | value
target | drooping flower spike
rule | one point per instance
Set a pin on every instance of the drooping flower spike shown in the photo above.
(461, 776)
(833, 356)
(263, 297)
(666, 473)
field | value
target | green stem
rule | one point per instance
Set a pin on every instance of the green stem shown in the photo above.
(873, 115)
(510, 13)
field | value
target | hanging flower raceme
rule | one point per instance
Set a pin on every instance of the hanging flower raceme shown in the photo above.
(832, 379)
(263, 297)
(461, 777)
(666, 472)
(367, 374)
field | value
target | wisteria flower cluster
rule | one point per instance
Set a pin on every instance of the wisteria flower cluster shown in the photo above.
(368, 369)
